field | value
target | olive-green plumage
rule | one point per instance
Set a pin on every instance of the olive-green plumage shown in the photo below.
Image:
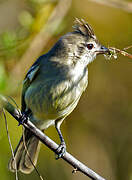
(53, 87)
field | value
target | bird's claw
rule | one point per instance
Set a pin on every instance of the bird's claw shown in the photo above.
(23, 119)
(61, 150)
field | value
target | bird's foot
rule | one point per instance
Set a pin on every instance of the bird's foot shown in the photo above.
(61, 150)
(23, 119)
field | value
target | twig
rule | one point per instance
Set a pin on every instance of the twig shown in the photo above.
(47, 141)
(10, 144)
(124, 53)
(128, 47)
(126, 6)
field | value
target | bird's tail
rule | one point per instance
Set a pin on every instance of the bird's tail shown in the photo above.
(22, 160)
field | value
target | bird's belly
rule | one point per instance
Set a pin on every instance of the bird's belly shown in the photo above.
(56, 101)
(56, 108)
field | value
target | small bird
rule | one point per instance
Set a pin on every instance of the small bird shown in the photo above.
(52, 89)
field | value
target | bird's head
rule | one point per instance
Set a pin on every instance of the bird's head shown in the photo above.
(82, 44)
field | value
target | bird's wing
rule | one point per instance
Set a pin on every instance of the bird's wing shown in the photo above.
(30, 76)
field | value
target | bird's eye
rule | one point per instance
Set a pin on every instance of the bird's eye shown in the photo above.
(90, 46)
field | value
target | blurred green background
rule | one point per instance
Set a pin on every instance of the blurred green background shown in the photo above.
(99, 131)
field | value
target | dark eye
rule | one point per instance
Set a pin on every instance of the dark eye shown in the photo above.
(90, 46)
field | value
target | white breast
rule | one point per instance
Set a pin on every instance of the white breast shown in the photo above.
(77, 71)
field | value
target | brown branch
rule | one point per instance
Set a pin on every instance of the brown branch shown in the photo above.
(78, 166)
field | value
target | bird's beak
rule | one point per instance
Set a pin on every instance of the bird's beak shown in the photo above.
(103, 50)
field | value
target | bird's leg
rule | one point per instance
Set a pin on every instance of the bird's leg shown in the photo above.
(62, 147)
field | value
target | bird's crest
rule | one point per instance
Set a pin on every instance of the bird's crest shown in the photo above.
(84, 28)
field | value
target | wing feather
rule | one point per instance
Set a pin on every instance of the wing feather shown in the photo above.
(29, 78)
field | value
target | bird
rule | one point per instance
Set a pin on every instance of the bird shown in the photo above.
(52, 89)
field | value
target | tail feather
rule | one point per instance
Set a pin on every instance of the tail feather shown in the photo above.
(22, 160)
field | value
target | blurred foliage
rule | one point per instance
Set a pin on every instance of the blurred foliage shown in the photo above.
(98, 132)
(3, 76)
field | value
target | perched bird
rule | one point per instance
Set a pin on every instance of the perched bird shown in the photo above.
(53, 87)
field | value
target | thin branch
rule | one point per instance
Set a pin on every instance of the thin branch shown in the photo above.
(124, 53)
(128, 47)
(48, 142)
(120, 4)
(9, 140)
(113, 52)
